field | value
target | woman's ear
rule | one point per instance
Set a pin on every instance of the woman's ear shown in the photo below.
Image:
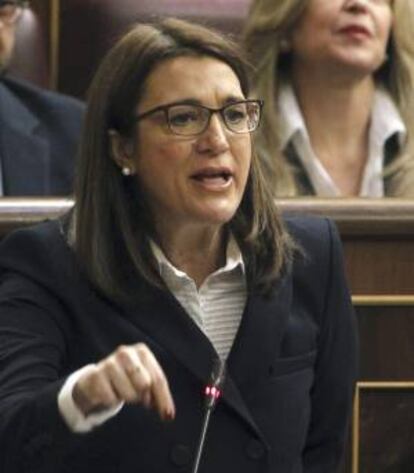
(121, 152)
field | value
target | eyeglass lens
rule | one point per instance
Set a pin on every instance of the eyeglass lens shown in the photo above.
(193, 119)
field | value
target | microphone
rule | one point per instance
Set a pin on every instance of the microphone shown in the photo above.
(212, 393)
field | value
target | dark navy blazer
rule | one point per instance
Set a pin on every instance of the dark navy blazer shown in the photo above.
(287, 396)
(39, 136)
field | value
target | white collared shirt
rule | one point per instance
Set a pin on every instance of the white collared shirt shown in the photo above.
(216, 307)
(386, 121)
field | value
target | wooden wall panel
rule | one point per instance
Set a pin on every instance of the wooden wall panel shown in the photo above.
(387, 347)
(380, 265)
(384, 432)
(32, 59)
(100, 23)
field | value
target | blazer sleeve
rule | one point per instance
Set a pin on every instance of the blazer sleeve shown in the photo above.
(32, 352)
(335, 369)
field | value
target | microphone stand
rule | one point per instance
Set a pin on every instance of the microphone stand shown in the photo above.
(212, 393)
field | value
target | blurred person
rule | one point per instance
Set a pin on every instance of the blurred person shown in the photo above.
(39, 129)
(174, 260)
(338, 80)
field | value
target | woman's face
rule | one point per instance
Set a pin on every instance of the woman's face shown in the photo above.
(196, 179)
(338, 34)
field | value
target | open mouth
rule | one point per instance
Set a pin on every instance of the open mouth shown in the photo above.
(213, 176)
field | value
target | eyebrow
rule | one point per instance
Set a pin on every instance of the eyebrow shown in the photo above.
(232, 98)
(191, 101)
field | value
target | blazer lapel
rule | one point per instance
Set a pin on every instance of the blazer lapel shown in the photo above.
(174, 330)
(302, 179)
(258, 341)
(24, 155)
(161, 315)
(392, 148)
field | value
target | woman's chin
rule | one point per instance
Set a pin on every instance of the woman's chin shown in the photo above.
(360, 65)
(217, 215)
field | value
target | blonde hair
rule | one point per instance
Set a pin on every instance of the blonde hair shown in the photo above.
(269, 23)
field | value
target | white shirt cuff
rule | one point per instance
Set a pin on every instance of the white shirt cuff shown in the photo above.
(72, 415)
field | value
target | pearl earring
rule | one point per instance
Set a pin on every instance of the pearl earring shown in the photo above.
(284, 45)
(126, 171)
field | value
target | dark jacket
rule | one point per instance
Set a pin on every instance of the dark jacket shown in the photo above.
(287, 395)
(304, 183)
(39, 135)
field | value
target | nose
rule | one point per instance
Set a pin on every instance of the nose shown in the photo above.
(214, 140)
(356, 6)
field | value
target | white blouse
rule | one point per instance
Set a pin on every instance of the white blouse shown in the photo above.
(386, 122)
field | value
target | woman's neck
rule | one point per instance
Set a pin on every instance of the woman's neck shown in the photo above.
(337, 114)
(198, 251)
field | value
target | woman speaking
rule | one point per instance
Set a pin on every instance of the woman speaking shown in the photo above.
(173, 260)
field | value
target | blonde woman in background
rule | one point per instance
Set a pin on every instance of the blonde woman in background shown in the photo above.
(337, 77)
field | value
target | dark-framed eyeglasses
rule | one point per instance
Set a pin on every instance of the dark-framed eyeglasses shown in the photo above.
(186, 119)
(11, 11)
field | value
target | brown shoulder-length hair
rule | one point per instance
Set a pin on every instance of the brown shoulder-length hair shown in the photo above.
(111, 226)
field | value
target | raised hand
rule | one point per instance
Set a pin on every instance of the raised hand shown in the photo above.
(130, 374)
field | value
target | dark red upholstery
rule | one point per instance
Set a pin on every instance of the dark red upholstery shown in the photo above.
(90, 27)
